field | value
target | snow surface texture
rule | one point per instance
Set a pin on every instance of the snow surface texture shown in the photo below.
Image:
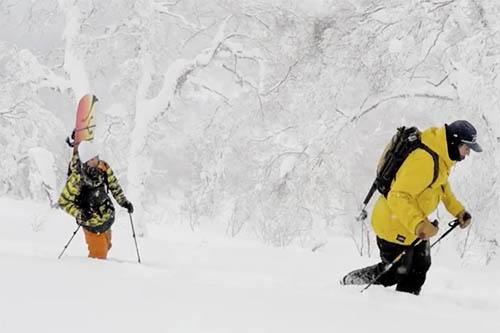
(201, 282)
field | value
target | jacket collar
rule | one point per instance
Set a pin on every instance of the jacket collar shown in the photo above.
(435, 139)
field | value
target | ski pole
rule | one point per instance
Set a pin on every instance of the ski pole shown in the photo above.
(364, 214)
(392, 263)
(401, 255)
(453, 224)
(66, 246)
(135, 240)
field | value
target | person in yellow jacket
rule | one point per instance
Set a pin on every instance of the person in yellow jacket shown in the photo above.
(402, 216)
(85, 197)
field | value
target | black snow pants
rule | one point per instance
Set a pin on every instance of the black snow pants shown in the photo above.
(408, 274)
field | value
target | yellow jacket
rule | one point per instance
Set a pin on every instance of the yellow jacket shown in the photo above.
(410, 199)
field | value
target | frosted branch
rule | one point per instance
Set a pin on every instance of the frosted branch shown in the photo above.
(258, 20)
(401, 96)
(161, 8)
(434, 43)
(441, 5)
(177, 73)
(440, 82)
(213, 91)
(242, 80)
(240, 77)
(289, 153)
(285, 78)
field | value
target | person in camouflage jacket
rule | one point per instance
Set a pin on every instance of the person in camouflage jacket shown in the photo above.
(85, 197)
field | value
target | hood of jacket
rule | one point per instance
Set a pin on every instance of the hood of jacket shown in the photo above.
(435, 139)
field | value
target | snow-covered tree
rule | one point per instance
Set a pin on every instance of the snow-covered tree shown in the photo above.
(263, 117)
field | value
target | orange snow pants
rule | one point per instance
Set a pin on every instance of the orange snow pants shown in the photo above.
(98, 244)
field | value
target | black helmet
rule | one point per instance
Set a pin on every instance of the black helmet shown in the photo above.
(461, 131)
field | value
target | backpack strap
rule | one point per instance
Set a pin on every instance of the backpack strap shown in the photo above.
(435, 158)
(103, 166)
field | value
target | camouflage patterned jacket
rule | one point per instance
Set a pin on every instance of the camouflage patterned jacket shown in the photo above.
(85, 195)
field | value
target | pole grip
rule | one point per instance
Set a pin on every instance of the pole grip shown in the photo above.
(453, 224)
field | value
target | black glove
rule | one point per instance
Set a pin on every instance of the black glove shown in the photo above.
(464, 219)
(71, 142)
(128, 206)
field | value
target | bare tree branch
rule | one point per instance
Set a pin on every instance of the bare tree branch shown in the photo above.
(441, 5)
(161, 8)
(401, 96)
(436, 38)
(277, 85)
(440, 82)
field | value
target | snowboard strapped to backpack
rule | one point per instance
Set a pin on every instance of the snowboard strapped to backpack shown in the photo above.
(405, 141)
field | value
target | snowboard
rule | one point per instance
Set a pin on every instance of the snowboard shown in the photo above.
(85, 121)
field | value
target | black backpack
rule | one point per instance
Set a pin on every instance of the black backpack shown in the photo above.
(406, 140)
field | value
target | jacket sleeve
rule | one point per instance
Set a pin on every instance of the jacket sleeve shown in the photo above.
(451, 203)
(68, 195)
(74, 163)
(115, 187)
(412, 178)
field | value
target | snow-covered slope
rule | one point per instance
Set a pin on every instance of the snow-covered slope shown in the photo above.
(200, 282)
